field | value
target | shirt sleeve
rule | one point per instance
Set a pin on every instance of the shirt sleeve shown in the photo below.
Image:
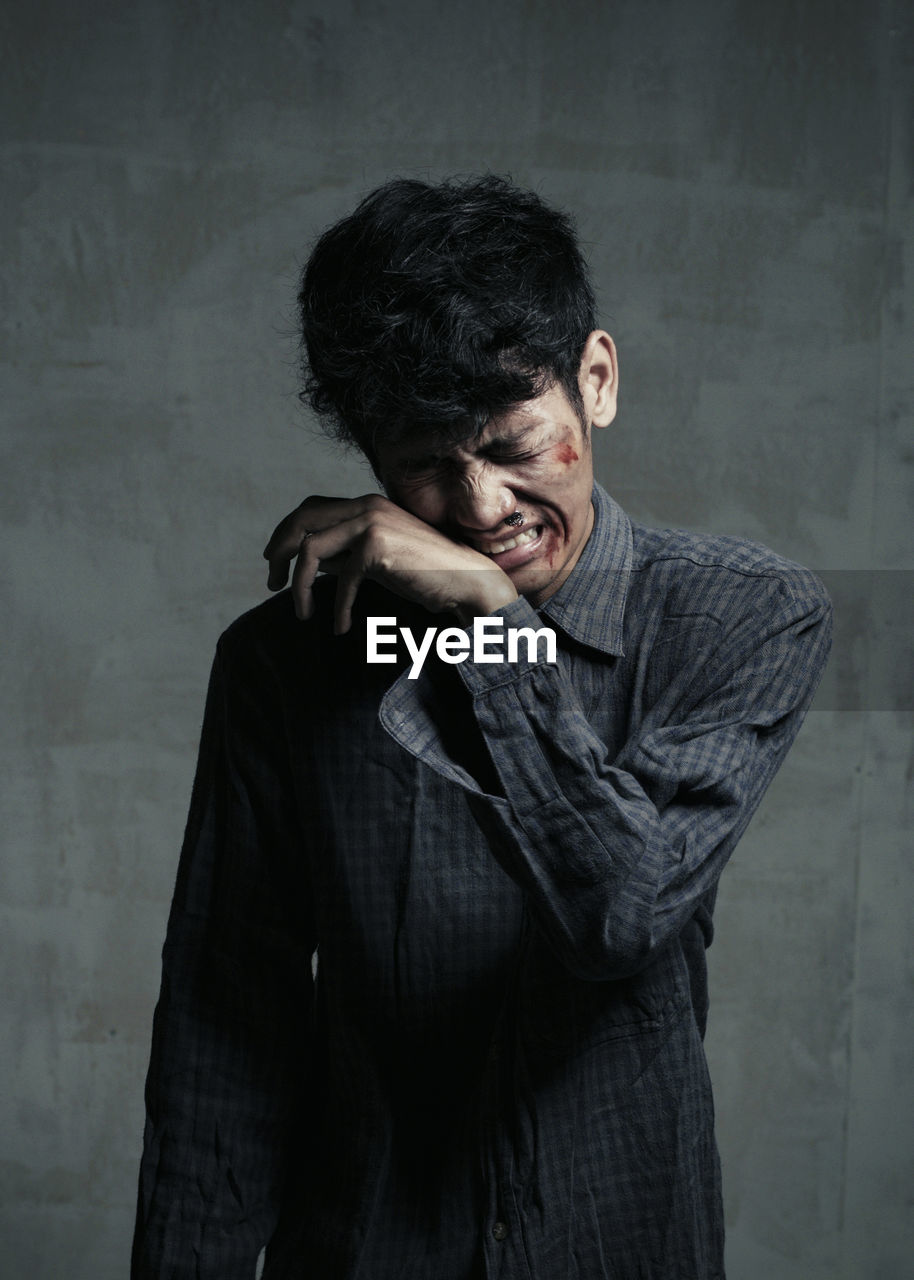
(231, 1028)
(615, 854)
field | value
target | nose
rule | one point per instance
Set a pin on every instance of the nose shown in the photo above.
(480, 499)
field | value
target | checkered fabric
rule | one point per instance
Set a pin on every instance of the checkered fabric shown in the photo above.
(507, 873)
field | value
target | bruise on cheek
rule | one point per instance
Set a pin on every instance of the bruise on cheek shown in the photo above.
(565, 454)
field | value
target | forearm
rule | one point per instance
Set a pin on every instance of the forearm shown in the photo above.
(609, 875)
(230, 1039)
(615, 854)
(224, 1097)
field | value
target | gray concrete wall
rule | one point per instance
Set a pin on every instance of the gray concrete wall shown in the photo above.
(742, 176)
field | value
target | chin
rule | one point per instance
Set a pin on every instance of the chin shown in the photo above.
(532, 582)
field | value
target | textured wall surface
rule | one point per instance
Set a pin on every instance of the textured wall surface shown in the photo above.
(742, 176)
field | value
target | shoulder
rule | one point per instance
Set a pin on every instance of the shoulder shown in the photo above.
(719, 576)
(266, 629)
(270, 641)
(706, 610)
(270, 638)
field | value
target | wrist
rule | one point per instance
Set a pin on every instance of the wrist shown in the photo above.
(488, 597)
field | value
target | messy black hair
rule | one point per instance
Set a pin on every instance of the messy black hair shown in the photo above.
(433, 308)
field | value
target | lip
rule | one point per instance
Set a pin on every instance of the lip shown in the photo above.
(514, 557)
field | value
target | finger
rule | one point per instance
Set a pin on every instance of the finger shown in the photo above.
(303, 575)
(346, 590)
(284, 544)
(330, 549)
(278, 573)
(316, 513)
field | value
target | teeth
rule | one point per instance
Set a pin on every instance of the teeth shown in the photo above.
(527, 536)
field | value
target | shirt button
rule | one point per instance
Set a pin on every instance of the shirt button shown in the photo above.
(500, 1231)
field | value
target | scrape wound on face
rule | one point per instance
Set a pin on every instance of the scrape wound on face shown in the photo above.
(565, 454)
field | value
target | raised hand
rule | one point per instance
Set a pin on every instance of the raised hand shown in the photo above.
(371, 537)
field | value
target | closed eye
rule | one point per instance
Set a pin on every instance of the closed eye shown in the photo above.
(502, 455)
(421, 471)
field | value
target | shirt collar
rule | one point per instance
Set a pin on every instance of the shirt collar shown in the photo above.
(590, 604)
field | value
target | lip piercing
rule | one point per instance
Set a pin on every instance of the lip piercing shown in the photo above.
(515, 519)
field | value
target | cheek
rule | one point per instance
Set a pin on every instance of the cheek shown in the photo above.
(561, 475)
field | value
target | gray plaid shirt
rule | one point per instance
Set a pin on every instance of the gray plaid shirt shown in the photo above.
(508, 872)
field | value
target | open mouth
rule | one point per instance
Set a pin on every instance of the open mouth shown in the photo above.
(509, 544)
(516, 550)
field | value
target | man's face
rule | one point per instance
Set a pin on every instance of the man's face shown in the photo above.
(535, 460)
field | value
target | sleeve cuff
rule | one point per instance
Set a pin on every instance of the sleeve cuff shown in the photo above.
(505, 653)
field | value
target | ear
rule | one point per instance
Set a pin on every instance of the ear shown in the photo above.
(598, 379)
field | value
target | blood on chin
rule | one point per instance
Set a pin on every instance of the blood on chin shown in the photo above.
(537, 569)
